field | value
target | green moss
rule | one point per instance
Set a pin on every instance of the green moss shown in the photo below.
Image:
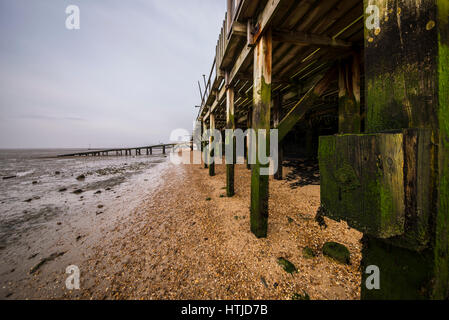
(347, 178)
(287, 265)
(308, 253)
(404, 274)
(259, 183)
(298, 296)
(349, 115)
(441, 250)
(337, 252)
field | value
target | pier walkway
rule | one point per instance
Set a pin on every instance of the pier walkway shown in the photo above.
(120, 151)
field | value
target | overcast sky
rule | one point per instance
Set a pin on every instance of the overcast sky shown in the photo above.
(126, 78)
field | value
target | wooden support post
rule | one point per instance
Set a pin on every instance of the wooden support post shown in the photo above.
(211, 144)
(261, 121)
(407, 87)
(151, 151)
(349, 95)
(204, 145)
(277, 105)
(249, 120)
(163, 149)
(230, 124)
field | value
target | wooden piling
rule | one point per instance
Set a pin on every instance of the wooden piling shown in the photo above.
(230, 124)
(211, 144)
(406, 67)
(204, 146)
(261, 121)
(349, 95)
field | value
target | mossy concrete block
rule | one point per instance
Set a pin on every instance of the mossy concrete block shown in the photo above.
(287, 265)
(337, 252)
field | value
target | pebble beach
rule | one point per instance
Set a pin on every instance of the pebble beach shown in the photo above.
(186, 240)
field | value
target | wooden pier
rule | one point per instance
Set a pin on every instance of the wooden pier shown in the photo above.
(379, 94)
(148, 150)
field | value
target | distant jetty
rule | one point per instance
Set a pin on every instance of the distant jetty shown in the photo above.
(120, 151)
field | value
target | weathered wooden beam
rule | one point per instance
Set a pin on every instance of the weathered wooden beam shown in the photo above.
(349, 95)
(230, 124)
(306, 103)
(239, 29)
(305, 39)
(261, 121)
(263, 22)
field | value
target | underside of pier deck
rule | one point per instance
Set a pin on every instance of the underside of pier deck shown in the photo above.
(382, 87)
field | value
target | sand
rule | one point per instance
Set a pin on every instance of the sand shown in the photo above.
(178, 244)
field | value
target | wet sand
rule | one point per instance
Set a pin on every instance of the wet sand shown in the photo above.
(186, 240)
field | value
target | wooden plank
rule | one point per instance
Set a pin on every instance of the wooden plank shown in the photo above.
(302, 39)
(261, 121)
(263, 22)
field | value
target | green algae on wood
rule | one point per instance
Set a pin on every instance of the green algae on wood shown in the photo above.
(404, 274)
(441, 249)
(362, 182)
(261, 121)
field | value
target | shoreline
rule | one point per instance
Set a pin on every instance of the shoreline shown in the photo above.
(63, 233)
(177, 244)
